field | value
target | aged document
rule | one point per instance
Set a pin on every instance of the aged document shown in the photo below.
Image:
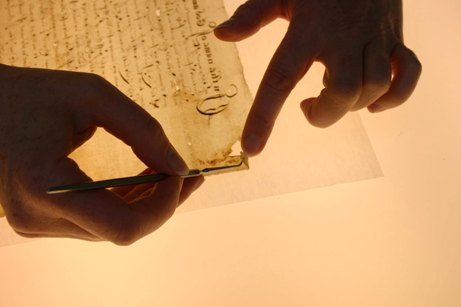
(160, 53)
(164, 56)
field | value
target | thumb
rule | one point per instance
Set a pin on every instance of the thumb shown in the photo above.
(248, 19)
(129, 122)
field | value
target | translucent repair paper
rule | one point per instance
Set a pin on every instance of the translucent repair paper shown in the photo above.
(164, 56)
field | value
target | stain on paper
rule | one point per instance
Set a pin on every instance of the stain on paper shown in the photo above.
(160, 53)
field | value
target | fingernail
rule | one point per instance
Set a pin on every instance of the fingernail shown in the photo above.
(225, 25)
(252, 144)
(375, 108)
(175, 162)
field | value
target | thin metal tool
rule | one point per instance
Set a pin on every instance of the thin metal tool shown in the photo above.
(116, 182)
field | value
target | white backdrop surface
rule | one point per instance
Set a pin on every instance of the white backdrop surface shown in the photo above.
(390, 241)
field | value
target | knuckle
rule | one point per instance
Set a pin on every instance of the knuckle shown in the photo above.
(122, 230)
(382, 80)
(127, 234)
(319, 120)
(19, 219)
(247, 16)
(143, 120)
(379, 74)
(408, 58)
(94, 84)
(167, 210)
(414, 63)
(248, 9)
(163, 207)
(263, 120)
(279, 79)
(124, 241)
(165, 203)
(95, 79)
(24, 234)
(377, 88)
(346, 90)
(150, 123)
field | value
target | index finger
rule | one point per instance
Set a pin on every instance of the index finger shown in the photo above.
(129, 122)
(292, 59)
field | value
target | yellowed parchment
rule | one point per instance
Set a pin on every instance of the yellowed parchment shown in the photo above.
(162, 54)
(123, 46)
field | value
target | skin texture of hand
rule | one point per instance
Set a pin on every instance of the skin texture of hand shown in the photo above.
(44, 116)
(359, 42)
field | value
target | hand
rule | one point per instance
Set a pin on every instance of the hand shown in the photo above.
(44, 116)
(360, 43)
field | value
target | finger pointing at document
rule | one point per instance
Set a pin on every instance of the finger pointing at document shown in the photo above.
(360, 43)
